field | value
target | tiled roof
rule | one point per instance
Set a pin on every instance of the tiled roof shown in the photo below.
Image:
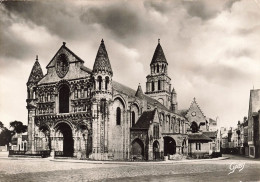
(144, 120)
(158, 55)
(130, 92)
(102, 62)
(198, 137)
(210, 134)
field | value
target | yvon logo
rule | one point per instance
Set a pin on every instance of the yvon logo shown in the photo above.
(234, 166)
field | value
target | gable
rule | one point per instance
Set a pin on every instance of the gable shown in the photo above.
(72, 57)
(65, 65)
(195, 114)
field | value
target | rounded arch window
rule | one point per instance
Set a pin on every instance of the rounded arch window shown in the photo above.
(64, 94)
(133, 118)
(106, 83)
(152, 86)
(99, 82)
(118, 116)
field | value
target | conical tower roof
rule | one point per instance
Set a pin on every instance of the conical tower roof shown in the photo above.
(173, 91)
(158, 55)
(139, 93)
(102, 62)
(36, 73)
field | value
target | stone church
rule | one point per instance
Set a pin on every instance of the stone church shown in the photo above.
(77, 111)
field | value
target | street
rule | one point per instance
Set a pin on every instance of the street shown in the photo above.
(46, 170)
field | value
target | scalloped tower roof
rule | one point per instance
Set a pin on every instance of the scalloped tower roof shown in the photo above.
(102, 62)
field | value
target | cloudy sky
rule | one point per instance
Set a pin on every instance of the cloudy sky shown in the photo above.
(212, 47)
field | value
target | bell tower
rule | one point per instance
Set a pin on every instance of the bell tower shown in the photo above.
(102, 95)
(35, 76)
(158, 84)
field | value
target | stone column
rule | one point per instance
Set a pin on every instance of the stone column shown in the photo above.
(150, 151)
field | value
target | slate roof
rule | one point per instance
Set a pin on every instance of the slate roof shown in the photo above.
(198, 137)
(158, 55)
(210, 134)
(130, 92)
(102, 62)
(144, 120)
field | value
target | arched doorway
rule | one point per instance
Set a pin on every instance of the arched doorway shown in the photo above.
(64, 94)
(194, 127)
(137, 149)
(169, 146)
(156, 150)
(68, 142)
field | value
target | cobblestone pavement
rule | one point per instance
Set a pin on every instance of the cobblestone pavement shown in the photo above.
(45, 170)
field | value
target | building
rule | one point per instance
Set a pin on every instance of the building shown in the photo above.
(253, 124)
(245, 149)
(202, 133)
(213, 125)
(19, 142)
(196, 118)
(76, 111)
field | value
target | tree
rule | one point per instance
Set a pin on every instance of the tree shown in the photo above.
(1, 125)
(5, 135)
(18, 127)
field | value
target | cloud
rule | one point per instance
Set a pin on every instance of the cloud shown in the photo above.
(56, 17)
(211, 46)
(119, 19)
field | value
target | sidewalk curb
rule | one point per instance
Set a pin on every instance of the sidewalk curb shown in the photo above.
(112, 162)
(150, 162)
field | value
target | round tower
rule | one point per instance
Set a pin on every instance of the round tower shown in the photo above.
(102, 74)
(102, 95)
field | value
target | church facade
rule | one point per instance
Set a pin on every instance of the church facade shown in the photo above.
(76, 111)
